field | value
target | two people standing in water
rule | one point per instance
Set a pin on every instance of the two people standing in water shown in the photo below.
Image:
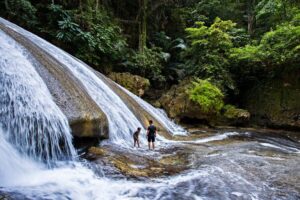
(151, 135)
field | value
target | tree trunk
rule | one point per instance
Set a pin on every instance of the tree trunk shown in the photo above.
(143, 26)
(251, 20)
(97, 5)
(6, 4)
(80, 6)
(251, 16)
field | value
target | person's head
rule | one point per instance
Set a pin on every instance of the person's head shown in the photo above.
(139, 129)
(150, 121)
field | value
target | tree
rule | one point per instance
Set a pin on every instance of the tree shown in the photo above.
(143, 25)
(206, 56)
(20, 11)
(278, 50)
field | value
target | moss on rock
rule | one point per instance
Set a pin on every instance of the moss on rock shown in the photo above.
(178, 105)
(235, 116)
(276, 103)
(206, 108)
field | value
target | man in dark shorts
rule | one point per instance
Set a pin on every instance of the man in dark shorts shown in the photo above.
(151, 134)
(136, 137)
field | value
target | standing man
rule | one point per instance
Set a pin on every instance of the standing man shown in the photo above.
(151, 134)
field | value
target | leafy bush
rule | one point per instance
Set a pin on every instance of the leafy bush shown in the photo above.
(148, 64)
(206, 57)
(20, 11)
(106, 42)
(277, 47)
(208, 96)
(92, 36)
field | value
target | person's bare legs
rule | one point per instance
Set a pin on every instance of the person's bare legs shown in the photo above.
(138, 143)
(153, 146)
(134, 143)
(149, 145)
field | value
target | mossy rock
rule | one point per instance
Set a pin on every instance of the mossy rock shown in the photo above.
(179, 106)
(134, 83)
(276, 103)
(235, 116)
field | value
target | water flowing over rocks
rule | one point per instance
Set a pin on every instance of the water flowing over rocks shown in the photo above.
(39, 161)
(85, 117)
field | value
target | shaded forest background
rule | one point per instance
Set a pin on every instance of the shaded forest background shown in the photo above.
(231, 44)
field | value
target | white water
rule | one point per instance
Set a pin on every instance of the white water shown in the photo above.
(158, 114)
(122, 122)
(13, 166)
(22, 85)
(217, 137)
(29, 116)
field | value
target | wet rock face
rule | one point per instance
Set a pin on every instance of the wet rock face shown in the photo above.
(134, 83)
(277, 102)
(85, 117)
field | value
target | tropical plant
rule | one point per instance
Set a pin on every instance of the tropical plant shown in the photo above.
(206, 56)
(208, 96)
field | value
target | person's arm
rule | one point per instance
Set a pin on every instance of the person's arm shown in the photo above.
(155, 131)
(147, 132)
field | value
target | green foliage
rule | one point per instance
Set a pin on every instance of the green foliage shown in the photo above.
(208, 96)
(206, 57)
(278, 50)
(104, 41)
(20, 11)
(278, 47)
(220, 50)
(148, 64)
(208, 10)
(231, 112)
(91, 35)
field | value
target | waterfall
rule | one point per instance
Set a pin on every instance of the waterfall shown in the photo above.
(31, 120)
(122, 122)
(13, 166)
(34, 134)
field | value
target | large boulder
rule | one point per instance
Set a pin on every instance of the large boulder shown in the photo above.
(134, 83)
(179, 106)
(276, 103)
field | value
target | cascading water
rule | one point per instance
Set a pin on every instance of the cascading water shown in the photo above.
(13, 166)
(29, 116)
(159, 115)
(32, 128)
(122, 122)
